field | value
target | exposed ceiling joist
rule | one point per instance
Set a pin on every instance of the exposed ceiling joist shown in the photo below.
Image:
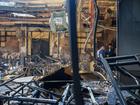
(9, 19)
(22, 22)
(23, 9)
(30, 29)
(26, 25)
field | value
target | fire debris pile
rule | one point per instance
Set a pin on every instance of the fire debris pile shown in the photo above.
(45, 83)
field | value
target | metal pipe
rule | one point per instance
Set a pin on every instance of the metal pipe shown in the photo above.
(128, 87)
(65, 93)
(43, 90)
(123, 70)
(69, 100)
(114, 83)
(121, 57)
(95, 27)
(59, 81)
(20, 89)
(10, 80)
(74, 52)
(27, 99)
(124, 63)
(92, 96)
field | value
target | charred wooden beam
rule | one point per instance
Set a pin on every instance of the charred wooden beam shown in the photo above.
(22, 9)
(8, 19)
(31, 24)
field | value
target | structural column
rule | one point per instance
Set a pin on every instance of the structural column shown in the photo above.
(74, 52)
(26, 40)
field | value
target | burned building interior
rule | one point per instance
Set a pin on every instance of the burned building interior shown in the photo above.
(69, 52)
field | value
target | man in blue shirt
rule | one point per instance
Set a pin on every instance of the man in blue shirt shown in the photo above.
(110, 51)
(101, 52)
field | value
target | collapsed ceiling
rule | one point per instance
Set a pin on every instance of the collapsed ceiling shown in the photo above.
(37, 12)
(35, 1)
